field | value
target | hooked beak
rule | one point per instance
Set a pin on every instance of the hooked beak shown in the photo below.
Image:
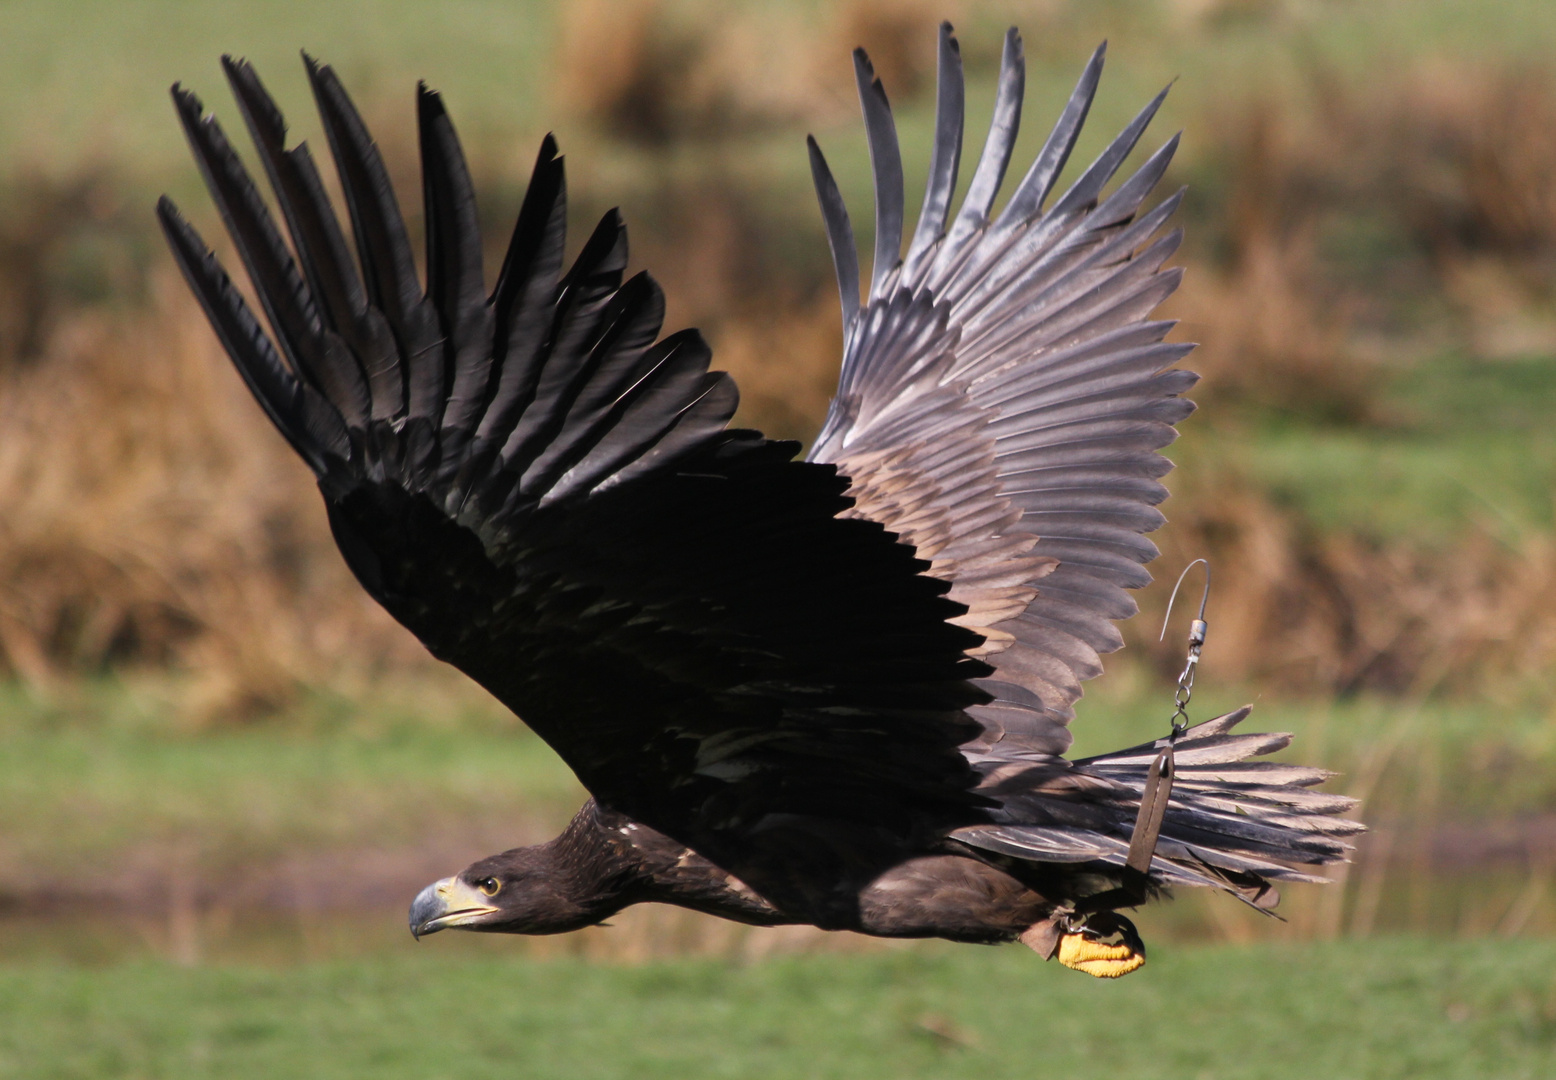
(447, 903)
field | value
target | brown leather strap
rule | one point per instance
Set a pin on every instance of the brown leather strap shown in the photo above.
(1148, 822)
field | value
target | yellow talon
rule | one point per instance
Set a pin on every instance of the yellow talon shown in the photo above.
(1098, 958)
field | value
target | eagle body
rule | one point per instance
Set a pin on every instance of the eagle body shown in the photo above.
(832, 691)
(605, 861)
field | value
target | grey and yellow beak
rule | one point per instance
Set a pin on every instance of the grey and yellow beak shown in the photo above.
(448, 903)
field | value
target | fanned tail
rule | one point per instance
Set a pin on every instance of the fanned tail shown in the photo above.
(1232, 823)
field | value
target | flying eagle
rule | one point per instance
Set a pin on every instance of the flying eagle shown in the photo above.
(833, 690)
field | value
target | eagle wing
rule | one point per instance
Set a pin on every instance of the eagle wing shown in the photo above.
(548, 495)
(1004, 391)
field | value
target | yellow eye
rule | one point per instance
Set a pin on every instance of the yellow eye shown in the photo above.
(489, 886)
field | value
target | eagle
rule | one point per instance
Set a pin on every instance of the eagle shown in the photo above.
(831, 690)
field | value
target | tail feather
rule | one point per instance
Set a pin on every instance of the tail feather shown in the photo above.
(1313, 802)
(1231, 823)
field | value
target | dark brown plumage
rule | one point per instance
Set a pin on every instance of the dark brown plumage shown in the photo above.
(831, 691)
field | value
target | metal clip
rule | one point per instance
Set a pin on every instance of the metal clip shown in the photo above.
(1197, 630)
(1135, 883)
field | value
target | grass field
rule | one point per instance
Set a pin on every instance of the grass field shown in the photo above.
(1386, 1008)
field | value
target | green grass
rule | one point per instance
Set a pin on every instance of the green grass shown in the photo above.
(96, 73)
(1391, 1008)
(91, 777)
(105, 772)
(1467, 445)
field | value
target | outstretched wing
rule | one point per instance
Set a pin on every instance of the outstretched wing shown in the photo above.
(1004, 391)
(550, 498)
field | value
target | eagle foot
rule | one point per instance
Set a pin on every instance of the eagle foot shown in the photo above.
(1104, 945)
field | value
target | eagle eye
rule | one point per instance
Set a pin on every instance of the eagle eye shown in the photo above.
(489, 886)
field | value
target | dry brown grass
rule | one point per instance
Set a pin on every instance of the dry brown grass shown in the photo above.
(1450, 168)
(62, 242)
(1416, 205)
(1469, 156)
(655, 73)
(1270, 335)
(896, 34)
(1314, 611)
(1469, 153)
(153, 517)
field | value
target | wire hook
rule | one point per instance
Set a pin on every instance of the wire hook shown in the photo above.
(1203, 600)
(1197, 631)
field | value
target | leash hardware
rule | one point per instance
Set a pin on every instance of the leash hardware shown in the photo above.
(1157, 792)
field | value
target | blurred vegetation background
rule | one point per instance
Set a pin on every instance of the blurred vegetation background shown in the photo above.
(199, 706)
